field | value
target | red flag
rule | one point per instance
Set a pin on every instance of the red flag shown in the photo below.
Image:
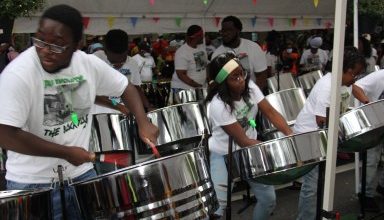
(156, 19)
(217, 21)
(271, 21)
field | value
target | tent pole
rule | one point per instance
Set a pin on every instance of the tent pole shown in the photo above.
(356, 44)
(337, 62)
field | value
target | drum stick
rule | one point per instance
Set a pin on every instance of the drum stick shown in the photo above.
(120, 159)
(153, 148)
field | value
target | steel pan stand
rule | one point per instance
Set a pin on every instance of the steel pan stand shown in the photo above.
(62, 192)
(229, 180)
(363, 184)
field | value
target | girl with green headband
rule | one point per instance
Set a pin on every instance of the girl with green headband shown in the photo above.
(233, 101)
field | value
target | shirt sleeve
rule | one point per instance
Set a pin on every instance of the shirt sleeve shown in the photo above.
(181, 61)
(260, 64)
(135, 77)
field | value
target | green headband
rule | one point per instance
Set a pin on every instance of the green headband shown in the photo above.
(226, 70)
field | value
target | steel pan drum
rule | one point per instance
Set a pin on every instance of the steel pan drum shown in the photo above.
(190, 95)
(308, 80)
(173, 187)
(288, 103)
(286, 81)
(362, 128)
(25, 204)
(110, 132)
(281, 160)
(179, 125)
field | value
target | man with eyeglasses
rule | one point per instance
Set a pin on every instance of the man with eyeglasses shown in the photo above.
(45, 98)
(251, 56)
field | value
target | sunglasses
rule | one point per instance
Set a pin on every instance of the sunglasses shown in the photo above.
(52, 47)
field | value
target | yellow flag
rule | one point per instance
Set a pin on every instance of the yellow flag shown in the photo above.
(316, 3)
(111, 21)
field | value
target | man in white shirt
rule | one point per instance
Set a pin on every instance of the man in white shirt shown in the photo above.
(370, 89)
(251, 56)
(190, 61)
(115, 54)
(314, 58)
(147, 65)
(45, 96)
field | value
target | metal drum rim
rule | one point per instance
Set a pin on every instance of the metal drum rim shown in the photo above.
(126, 169)
(285, 90)
(172, 106)
(360, 108)
(31, 192)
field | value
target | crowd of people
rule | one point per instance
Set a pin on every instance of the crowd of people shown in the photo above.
(64, 86)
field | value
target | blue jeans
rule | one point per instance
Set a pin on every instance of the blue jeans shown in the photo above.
(266, 197)
(72, 209)
(308, 196)
(373, 155)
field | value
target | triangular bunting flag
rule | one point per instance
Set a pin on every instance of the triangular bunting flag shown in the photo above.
(293, 22)
(152, 2)
(111, 21)
(217, 21)
(205, 2)
(271, 21)
(253, 20)
(254, 2)
(178, 21)
(156, 19)
(305, 21)
(134, 21)
(316, 3)
(318, 20)
(86, 22)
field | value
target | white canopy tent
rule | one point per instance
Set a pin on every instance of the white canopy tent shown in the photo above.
(167, 16)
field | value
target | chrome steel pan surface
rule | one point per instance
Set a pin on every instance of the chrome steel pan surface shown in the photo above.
(190, 95)
(178, 125)
(362, 128)
(281, 160)
(173, 187)
(288, 103)
(308, 80)
(25, 204)
(285, 80)
(110, 132)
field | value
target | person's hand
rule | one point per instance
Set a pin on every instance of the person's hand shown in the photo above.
(122, 109)
(148, 131)
(78, 156)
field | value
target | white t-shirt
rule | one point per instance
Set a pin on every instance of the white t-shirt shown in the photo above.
(219, 114)
(317, 102)
(251, 56)
(194, 61)
(272, 62)
(41, 103)
(146, 64)
(314, 61)
(373, 85)
(130, 69)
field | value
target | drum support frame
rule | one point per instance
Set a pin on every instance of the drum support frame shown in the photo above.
(62, 192)
(229, 179)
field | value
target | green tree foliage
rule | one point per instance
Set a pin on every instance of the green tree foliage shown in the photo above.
(18, 8)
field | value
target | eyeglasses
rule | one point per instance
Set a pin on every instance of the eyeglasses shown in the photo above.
(238, 76)
(52, 47)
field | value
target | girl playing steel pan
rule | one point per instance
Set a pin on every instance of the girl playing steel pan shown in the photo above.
(233, 104)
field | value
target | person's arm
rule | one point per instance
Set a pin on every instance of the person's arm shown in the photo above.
(182, 74)
(321, 121)
(359, 94)
(106, 102)
(18, 140)
(275, 117)
(132, 100)
(261, 79)
(237, 132)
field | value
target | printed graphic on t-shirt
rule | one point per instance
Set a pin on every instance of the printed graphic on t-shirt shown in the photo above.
(313, 61)
(242, 115)
(62, 98)
(125, 71)
(344, 103)
(200, 60)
